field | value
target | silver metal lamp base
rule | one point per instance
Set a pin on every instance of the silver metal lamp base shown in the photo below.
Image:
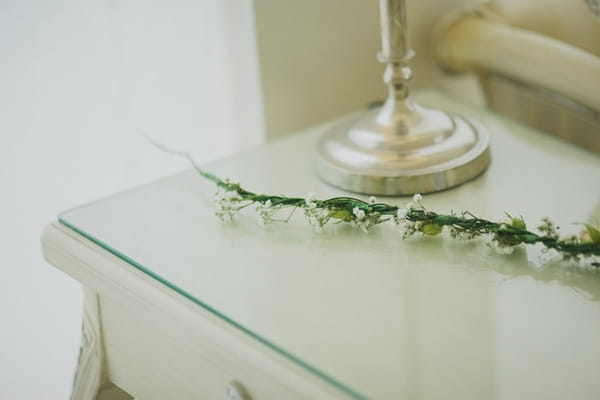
(403, 149)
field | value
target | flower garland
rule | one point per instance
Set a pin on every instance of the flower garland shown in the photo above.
(410, 218)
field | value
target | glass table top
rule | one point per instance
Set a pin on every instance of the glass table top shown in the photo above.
(371, 314)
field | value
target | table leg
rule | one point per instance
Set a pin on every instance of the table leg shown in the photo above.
(91, 379)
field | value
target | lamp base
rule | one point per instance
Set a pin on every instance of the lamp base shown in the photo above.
(402, 149)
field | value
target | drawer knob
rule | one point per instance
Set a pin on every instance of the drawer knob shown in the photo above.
(236, 391)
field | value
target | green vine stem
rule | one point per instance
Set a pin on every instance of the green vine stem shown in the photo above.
(410, 218)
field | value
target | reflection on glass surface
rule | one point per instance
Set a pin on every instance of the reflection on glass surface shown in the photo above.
(375, 316)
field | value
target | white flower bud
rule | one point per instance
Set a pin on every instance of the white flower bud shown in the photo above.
(358, 213)
(402, 213)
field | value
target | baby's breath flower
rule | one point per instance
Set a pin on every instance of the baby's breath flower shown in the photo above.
(463, 234)
(317, 217)
(360, 221)
(226, 194)
(265, 213)
(364, 221)
(417, 197)
(310, 200)
(372, 200)
(227, 203)
(406, 228)
(401, 213)
(500, 247)
(358, 213)
(548, 228)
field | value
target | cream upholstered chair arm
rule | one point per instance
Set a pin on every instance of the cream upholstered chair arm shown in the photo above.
(483, 41)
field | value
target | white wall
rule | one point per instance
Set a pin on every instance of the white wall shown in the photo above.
(77, 78)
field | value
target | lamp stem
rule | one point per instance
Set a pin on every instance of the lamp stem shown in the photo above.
(394, 43)
(394, 48)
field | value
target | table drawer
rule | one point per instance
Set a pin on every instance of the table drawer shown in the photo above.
(153, 355)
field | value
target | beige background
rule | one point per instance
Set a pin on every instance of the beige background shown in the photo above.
(317, 58)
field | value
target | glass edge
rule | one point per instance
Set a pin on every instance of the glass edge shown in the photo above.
(347, 390)
(131, 189)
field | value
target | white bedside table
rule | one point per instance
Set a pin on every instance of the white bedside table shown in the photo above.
(182, 306)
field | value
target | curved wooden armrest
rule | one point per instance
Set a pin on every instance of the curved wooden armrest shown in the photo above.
(471, 42)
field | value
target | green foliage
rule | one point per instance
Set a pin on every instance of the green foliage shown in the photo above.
(431, 229)
(503, 236)
(593, 233)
